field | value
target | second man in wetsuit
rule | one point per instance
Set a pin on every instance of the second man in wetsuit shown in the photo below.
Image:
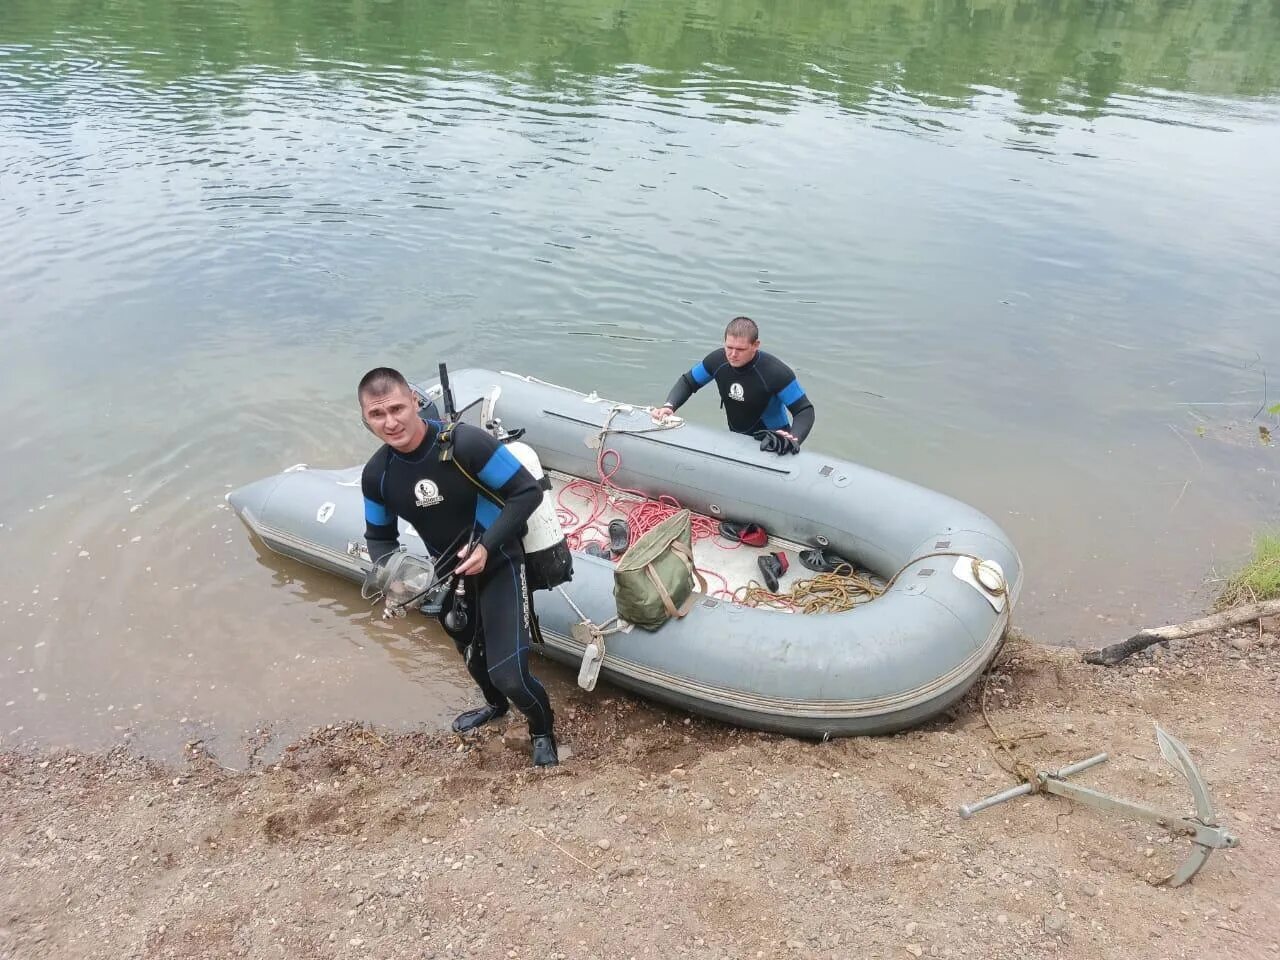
(756, 390)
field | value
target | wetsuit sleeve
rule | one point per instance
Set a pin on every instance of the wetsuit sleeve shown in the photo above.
(802, 420)
(695, 379)
(802, 413)
(794, 399)
(381, 532)
(513, 494)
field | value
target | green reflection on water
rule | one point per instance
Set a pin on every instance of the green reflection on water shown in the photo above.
(1067, 56)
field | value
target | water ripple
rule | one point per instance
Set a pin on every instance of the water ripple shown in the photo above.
(963, 241)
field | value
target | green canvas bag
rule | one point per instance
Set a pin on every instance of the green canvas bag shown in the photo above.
(654, 580)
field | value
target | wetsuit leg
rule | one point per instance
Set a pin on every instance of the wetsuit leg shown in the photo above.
(506, 619)
(473, 652)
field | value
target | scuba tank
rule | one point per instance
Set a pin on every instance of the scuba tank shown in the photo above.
(548, 561)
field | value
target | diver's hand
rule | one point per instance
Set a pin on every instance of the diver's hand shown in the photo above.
(787, 442)
(780, 442)
(661, 413)
(471, 560)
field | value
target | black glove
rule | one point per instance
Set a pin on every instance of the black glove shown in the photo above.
(772, 441)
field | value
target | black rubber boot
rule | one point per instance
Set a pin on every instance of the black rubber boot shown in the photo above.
(545, 753)
(772, 566)
(466, 722)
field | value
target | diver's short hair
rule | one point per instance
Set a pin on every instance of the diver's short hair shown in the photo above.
(742, 327)
(380, 381)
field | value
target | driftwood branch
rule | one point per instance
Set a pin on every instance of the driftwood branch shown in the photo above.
(1110, 656)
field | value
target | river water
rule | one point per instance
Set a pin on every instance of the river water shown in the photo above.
(1023, 253)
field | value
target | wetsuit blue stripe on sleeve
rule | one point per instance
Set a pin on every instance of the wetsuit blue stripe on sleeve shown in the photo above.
(791, 392)
(775, 416)
(700, 375)
(486, 512)
(376, 513)
(501, 467)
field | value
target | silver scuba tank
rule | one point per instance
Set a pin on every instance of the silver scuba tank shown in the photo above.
(546, 552)
(548, 561)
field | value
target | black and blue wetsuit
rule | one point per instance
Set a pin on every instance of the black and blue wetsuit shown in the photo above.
(755, 397)
(484, 491)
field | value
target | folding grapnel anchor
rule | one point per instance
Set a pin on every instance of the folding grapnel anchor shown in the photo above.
(1204, 830)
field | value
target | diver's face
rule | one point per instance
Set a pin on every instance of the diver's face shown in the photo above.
(740, 351)
(393, 417)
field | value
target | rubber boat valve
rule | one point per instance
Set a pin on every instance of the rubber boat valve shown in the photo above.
(1204, 831)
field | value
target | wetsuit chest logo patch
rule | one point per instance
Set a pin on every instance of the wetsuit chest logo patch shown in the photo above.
(426, 493)
(735, 391)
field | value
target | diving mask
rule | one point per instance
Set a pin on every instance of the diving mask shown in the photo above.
(401, 579)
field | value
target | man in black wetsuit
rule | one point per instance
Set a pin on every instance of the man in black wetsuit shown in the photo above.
(470, 512)
(756, 390)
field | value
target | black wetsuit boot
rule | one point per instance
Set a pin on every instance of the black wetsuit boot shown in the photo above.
(469, 720)
(545, 752)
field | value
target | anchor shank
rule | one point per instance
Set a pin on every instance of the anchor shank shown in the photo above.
(1125, 808)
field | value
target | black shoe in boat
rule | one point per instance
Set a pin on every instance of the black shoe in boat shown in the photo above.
(772, 567)
(619, 537)
(822, 562)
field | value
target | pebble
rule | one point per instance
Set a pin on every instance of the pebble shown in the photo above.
(911, 928)
(514, 738)
(1089, 890)
(1055, 921)
(915, 949)
(1002, 918)
(603, 843)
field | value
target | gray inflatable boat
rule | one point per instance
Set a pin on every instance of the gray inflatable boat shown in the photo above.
(884, 665)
